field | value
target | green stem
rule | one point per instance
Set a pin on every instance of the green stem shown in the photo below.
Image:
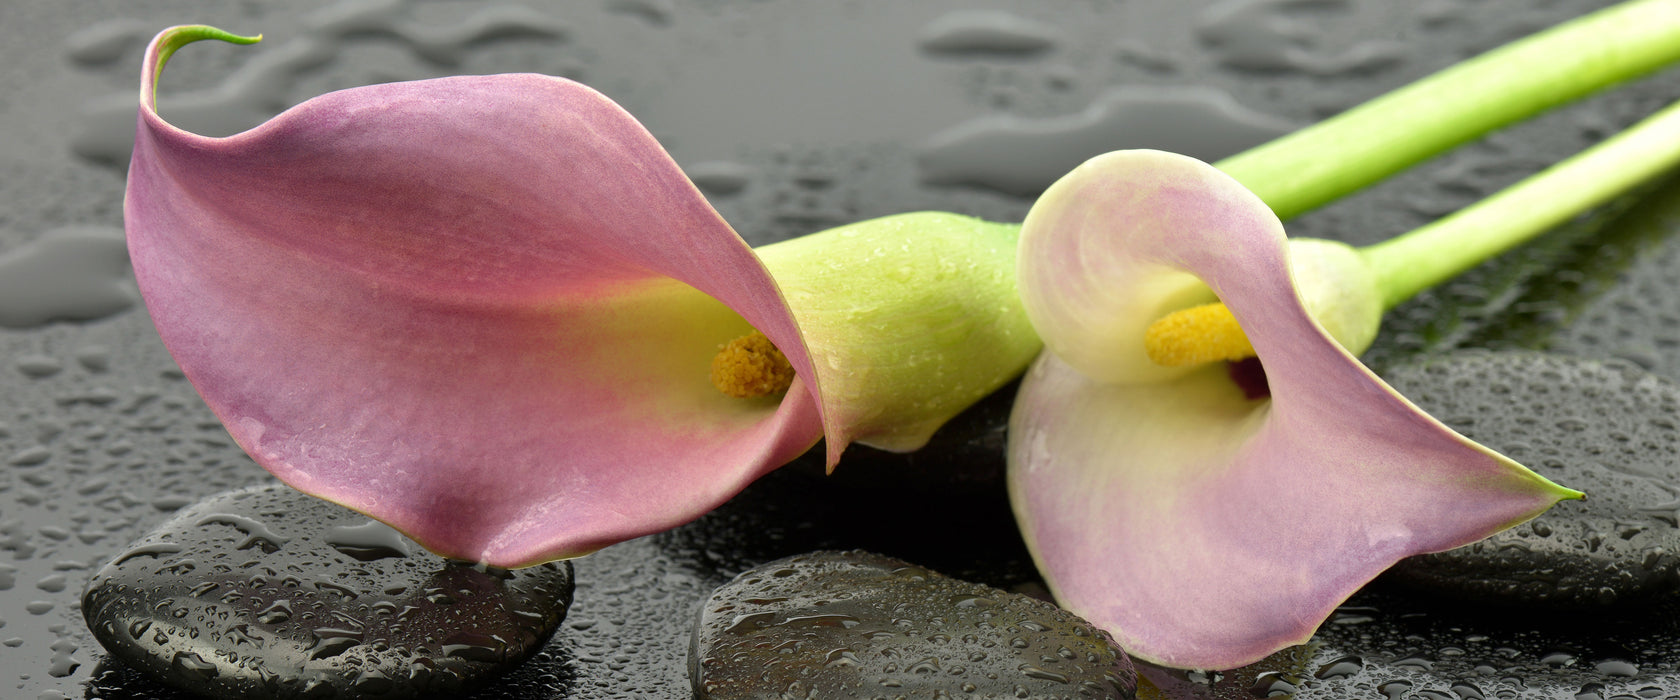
(1363, 145)
(1442, 250)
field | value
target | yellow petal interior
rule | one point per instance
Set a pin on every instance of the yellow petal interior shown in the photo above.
(751, 367)
(1197, 335)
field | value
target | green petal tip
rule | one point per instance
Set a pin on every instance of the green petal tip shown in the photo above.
(176, 37)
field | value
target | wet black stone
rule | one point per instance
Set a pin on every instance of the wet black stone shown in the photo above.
(1388, 642)
(861, 625)
(269, 593)
(1606, 429)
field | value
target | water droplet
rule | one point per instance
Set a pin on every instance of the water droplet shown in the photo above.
(369, 541)
(1023, 156)
(987, 32)
(1256, 35)
(67, 274)
(1616, 668)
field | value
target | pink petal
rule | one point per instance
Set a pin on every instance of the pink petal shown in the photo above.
(481, 309)
(1204, 529)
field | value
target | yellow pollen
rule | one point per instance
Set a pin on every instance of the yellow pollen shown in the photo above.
(750, 367)
(1206, 333)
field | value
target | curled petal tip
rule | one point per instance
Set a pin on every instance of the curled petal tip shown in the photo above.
(180, 35)
(173, 38)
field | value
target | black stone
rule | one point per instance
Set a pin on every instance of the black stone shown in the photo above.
(1388, 642)
(1603, 428)
(269, 593)
(860, 625)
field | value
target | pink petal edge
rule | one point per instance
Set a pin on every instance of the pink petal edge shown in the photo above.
(1203, 529)
(480, 309)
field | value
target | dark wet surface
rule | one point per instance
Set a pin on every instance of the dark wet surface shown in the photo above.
(270, 593)
(1582, 422)
(797, 117)
(859, 625)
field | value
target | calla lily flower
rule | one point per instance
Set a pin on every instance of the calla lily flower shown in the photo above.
(1212, 512)
(485, 310)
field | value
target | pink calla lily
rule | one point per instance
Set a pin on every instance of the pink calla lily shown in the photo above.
(482, 309)
(1200, 521)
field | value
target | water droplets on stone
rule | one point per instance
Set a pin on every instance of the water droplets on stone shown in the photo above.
(267, 592)
(835, 623)
(1584, 424)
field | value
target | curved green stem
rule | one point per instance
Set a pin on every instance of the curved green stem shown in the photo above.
(1430, 255)
(1363, 145)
